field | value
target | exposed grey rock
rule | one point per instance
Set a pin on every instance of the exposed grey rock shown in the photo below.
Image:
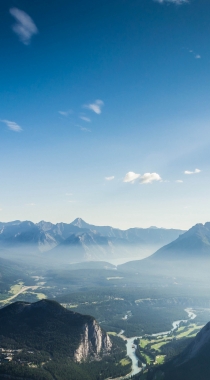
(94, 342)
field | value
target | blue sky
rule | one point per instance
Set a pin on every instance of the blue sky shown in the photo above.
(105, 111)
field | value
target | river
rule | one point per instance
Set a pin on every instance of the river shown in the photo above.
(131, 347)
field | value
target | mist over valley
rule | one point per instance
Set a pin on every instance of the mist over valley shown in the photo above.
(156, 304)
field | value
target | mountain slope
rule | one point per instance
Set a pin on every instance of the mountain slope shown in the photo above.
(193, 243)
(10, 272)
(37, 325)
(18, 235)
(45, 336)
(89, 246)
(191, 247)
(193, 363)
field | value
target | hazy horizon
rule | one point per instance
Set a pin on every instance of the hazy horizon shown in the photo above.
(96, 224)
(102, 224)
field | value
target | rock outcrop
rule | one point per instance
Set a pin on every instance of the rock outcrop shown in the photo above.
(94, 342)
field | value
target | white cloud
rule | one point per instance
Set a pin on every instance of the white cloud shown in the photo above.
(109, 178)
(131, 177)
(12, 125)
(65, 113)
(196, 171)
(178, 2)
(179, 181)
(85, 118)
(145, 178)
(84, 129)
(149, 178)
(95, 107)
(196, 56)
(24, 27)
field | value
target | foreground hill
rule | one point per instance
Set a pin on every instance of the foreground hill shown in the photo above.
(192, 364)
(43, 340)
(79, 241)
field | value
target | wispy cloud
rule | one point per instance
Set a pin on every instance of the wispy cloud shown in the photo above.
(12, 125)
(96, 106)
(196, 171)
(85, 118)
(149, 178)
(196, 56)
(179, 181)
(24, 27)
(85, 129)
(109, 178)
(65, 113)
(131, 177)
(177, 2)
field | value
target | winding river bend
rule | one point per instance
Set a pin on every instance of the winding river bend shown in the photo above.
(131, 347)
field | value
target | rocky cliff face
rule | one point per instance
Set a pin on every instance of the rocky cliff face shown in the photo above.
(94, 342)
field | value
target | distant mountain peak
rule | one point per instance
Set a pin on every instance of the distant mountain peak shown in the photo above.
(79, 222)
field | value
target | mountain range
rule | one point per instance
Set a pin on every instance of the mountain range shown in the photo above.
(79, 241)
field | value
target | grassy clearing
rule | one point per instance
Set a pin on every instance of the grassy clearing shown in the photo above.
(41, 296)
(147, 358)
(183, 332)
(112, 333)
(156, 343)
(160, 359)
(180, 329)
(124, 362)
(157, 346)
(144, 342)
(191, 331)
(14, 289)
